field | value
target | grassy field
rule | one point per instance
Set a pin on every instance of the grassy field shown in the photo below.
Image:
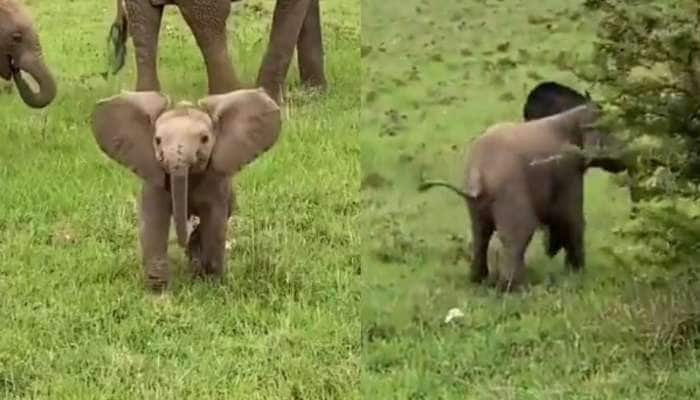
(433, 78)
(76, 322)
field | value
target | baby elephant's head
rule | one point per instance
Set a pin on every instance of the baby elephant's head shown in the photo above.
(184, 139)
(220, 135)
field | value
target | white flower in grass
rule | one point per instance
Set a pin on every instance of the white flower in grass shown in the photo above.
(452, 314)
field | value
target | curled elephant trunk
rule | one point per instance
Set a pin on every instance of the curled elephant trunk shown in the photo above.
(35, 67)
(178, 190)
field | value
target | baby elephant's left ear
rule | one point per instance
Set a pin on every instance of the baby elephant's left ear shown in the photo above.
(247, 123)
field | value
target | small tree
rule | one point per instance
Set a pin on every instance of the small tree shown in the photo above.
(646, 59)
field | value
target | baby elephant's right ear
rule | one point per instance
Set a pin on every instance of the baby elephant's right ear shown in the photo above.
(124, 125)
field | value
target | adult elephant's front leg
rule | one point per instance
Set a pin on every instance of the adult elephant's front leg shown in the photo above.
(287, 20)
(155, 226)
(310, 48)
(207, 20)
(144, 24)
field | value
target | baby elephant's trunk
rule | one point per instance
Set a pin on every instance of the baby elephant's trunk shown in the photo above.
(178, 190)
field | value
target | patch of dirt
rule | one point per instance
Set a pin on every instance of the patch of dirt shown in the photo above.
(374, 181)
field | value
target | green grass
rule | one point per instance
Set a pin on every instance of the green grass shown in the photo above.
(433, 78)
(75, 320)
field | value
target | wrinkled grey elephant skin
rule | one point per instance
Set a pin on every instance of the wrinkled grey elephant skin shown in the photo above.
(186, 156)
(522, 176)
(295, 24)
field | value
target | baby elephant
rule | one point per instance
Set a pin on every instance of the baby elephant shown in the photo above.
(520, 176)
(186, 156)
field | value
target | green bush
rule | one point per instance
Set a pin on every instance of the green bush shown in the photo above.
(646, 63)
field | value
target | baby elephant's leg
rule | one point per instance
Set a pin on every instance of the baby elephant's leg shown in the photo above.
(572, 222)
(516, 222)
(212, 238)
(482, 230)
(155, 225)
(575, 254)
(194, 251)
(555, 239)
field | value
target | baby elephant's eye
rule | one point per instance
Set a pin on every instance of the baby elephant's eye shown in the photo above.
(16, 37)
(204, 139)
(158, 140)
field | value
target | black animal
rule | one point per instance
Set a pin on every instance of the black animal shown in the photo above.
(549, 98)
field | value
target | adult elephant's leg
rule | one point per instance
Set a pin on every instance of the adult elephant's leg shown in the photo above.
(310, 48)
(287, 21)
(144, 24)
(207, 20)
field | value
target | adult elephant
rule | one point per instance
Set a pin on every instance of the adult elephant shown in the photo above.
(295, 23)
(20, 51)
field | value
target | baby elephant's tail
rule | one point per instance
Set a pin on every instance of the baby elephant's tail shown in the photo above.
(431, 184)
(116, 40)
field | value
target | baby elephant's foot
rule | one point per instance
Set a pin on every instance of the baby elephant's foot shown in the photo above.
(477, 274)
(574, 264)
(506, 286)
(509, 284)
(214, 271)
(196, 268)
(157, 276)
(477, 277)
(201, 268)
(194, 254)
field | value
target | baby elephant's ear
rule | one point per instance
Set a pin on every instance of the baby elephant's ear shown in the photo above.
(123, 126)
(248, 123)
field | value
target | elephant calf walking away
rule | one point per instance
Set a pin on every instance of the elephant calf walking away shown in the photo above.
(520, 176)
(20, 51)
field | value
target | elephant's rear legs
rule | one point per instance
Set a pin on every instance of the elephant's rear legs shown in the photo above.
(516, 223)
(573, 244)
(568, 236)
(482, 227)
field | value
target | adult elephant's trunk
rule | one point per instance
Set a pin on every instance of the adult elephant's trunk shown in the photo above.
(34, 66)
(178, 190)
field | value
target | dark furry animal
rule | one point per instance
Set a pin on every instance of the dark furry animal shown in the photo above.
(549, 98)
